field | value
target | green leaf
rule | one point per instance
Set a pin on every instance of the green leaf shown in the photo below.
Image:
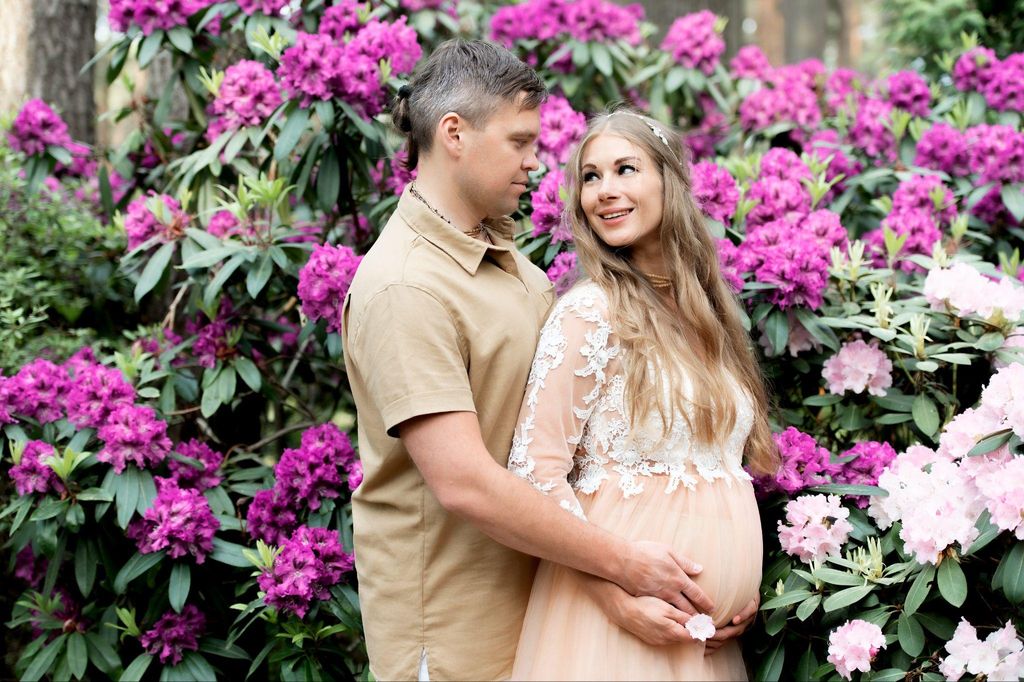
(177, 590)
(136, 566)
(926, 416)
(848, 489)
(919, 590)
(208, 257)
(226, 383)
(78, 655)
(126, 494)
(137, 668)
(1012, 567)
(199, 667)
(43, 660)
(362, 125)
(602, 58)
(777, 329)
(790, 597)
(154, 270)
(229, 553)
(807, 665)
(911, 635)
(181, 38)
(328, 180)
(836, 577)
(952, 582)
(940, 626)
(1013, 199)
(770, 669)
(102, 654)
(991, 443)
(807, 607)
(893, 418)
(822, 400)
(258, 277)
(988, 532)
(889, 675)
(821, 332)
(249, 372)
(991, 341)
(210, 402)
(290, 133)
(150, 46)
(850, 595)
(213, 289)
(674, 79)
(85, 567)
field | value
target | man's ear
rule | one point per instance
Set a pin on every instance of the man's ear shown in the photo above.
(450, 133)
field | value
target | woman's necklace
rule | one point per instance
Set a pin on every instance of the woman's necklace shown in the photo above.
(658, 281)
(475, 232)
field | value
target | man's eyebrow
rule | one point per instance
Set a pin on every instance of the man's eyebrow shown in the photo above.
(523, 134)
(617, 161)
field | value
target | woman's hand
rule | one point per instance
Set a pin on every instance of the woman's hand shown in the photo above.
(654, 621)
(736, 627)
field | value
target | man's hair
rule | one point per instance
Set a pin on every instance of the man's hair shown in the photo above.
(472, 78)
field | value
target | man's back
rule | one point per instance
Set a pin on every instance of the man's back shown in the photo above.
(437, 322)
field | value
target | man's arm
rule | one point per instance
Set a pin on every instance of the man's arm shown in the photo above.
(450, 453)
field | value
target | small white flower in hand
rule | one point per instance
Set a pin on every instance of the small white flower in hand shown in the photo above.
(701, 627)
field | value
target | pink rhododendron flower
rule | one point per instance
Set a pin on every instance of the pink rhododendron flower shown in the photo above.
(804, 464)
(870, 459)
(999, 657)
(583, 20)
(561, 127)
(202, 476)
(133, 434)
(728, 261)
(857, 367)
(31, 474)
(908, 90)
(548, 209)
(869, 132)
(701, 627)
(310, 562)
(972, 70)
(693, 42)
(816, 527)
(943, 148)
(173, 634)
(38, 391)
(268, 7)
(94, 392)
(154, 215)
(179, 521)
(853, 645)
(966, 292)
(247, 97)
(1004, 90)
(563, 272)
(1002, 489)
(714, 190)
(153, 15)
(324, 280)
(750, 62)
(37, 127)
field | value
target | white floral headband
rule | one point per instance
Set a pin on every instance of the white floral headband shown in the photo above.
(654, 129)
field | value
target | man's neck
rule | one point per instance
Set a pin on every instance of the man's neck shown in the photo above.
(445, 198)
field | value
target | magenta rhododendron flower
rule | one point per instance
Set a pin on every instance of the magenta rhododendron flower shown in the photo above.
(391, 175)
(31, 474)
(133, 434)
(154, 215)
(789, 256)
(857, 367)
(853, 645)
(750, 62)
(313, 472)
(30, 567)
(355, 474)
(1000, 656)
(869, 131)
(583, 20)
(908, 90)
(548, 209)
(972, 70)
(38, 391)
(173, 634)
(340, 18)
(324, 280)
(560, 128)
(271, 517)
(310, 562)
(188, 475)
(943, 148)
(714, 190)
(782, 164)
(153, 15)
(268, 7)
(563, 272)
(37, 127)
(816, 527)
(790, 102)
(94, 392)
(1004, 90)
(804, 464)
(179, 521)
(777, 199)
(728, 261)
(870, 459)
(247, 97)
(844, 88)
(693, 41)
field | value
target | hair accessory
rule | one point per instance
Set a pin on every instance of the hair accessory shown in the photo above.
(405, 91)
(654, 129)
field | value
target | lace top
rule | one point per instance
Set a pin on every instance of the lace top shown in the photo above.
(574, 425)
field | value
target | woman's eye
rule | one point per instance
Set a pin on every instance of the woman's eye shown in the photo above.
(626, 168)
(589, 175)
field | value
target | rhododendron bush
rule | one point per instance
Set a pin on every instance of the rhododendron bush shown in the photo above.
(178, 499)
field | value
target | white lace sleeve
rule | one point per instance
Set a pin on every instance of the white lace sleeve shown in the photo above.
(568, 375)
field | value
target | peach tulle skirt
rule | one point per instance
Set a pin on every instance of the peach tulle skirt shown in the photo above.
(566, 635)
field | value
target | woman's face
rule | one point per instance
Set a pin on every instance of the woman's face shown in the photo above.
(622, 197)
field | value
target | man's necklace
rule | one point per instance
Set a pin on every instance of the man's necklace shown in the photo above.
(475, 232)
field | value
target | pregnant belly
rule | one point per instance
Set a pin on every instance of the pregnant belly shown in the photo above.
(716, 524)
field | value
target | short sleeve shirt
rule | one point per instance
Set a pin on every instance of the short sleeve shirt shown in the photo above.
(436, 321)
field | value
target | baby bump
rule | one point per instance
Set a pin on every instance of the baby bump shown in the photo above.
(715, 524)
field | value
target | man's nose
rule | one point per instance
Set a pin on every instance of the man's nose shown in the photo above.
(531, 162)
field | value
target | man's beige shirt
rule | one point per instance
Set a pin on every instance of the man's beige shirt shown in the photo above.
(436, 321)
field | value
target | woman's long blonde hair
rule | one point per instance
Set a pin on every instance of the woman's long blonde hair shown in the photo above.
(705, 335)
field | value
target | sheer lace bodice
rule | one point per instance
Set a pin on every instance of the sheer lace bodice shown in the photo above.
(573, 432)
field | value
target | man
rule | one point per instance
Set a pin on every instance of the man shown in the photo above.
(441, 324)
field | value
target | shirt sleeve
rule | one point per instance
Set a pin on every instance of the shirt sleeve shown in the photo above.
(411, 356)
(566, 380)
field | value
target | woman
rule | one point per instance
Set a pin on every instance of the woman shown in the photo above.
(643, 400)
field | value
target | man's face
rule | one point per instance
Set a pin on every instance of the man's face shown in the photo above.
(497, 159)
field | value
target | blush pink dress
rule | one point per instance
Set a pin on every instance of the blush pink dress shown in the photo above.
(574, 443)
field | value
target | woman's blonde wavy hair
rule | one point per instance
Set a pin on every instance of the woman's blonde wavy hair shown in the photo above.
(705, 335)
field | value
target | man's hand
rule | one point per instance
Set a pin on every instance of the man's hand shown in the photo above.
(736, 627)
(652, 620)
(656, 570)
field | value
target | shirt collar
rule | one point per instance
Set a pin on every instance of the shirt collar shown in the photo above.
(464, 250)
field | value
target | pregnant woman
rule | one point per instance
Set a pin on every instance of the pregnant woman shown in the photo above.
(642, 404)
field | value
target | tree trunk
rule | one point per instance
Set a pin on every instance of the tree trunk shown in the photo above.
(44, 44)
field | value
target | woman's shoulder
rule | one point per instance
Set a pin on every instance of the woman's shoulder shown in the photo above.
(585, 299)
